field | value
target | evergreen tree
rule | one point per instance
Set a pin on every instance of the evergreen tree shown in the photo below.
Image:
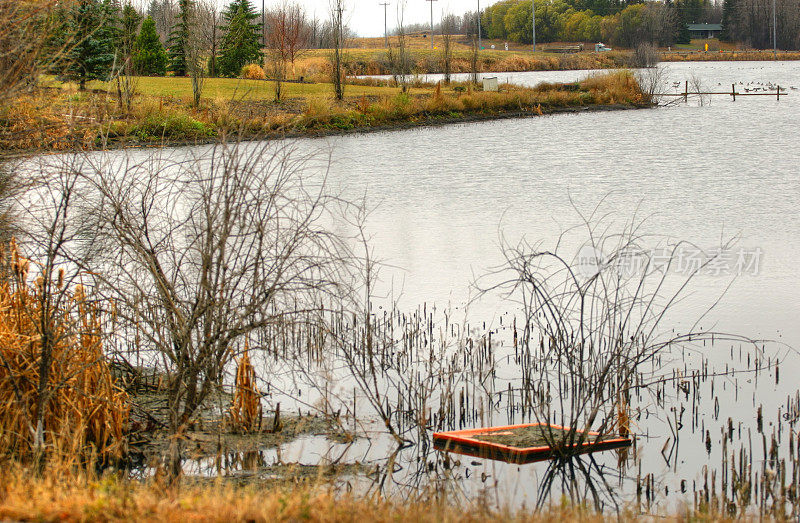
(240, 45)
(729, 20)
(129, 27)
(179, 39)
(150, 58)
(91, 33)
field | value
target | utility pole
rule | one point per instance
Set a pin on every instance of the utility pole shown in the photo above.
(774, 32)
(431, 1)
(533, 13)
(479, 25)
(385, 25)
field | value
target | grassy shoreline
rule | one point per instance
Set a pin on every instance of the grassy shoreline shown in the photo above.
(360, 62)
(60, 118)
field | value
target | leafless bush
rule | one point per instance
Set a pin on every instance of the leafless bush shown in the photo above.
(65, 351)
(591, 324)
(287, 34)
(399, 57)
(652, 81)
(473, 58)
(644, 55)
(24, 29)
(448, 29)
(200, 254)
(696, 86)
(338, 44)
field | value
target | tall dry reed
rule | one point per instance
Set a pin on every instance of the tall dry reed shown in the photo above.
(85, 414)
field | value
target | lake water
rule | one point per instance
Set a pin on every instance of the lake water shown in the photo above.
(701, 172)
(704, 172)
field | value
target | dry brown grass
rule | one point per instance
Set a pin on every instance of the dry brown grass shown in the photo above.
(245, 413)
(86, 414)
(728, 56)
(253, 72)
(315, 66)
(69, 499)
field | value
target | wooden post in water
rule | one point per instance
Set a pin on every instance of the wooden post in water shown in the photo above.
(733, 91)
(686, 91)
(779, 93)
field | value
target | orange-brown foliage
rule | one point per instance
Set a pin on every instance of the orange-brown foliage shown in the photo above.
(85, 414)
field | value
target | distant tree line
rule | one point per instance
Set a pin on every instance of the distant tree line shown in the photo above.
(750, 22)
(106, 39)
(629, 23)
(623, 23)
(105, 36)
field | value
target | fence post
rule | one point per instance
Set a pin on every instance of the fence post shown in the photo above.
(779, 93)
(733, 91)
(686, 92)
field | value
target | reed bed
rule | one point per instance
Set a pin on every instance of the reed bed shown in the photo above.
(85, 414)
(728, 56)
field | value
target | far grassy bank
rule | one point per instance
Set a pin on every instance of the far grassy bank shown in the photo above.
(59, 117)
(314, 64)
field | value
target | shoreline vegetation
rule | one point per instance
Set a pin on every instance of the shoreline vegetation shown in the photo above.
(56, 116)
(108, 499)
(59, 117)
(67, 497)
(374, 62)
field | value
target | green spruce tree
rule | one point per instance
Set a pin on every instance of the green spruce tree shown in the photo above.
(179, 39)
(150, 58)
(129, 27)
(91, 34)
(240, 44)
(729, 9)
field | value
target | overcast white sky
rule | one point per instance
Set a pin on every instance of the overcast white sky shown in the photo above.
(366, 16)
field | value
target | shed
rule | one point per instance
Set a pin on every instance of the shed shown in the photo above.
(705, 30)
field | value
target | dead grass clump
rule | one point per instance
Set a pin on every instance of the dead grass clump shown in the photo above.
(84, 413)
(245, 413)
(253, 72)
(613, 88)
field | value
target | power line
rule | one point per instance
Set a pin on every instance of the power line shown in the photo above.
(385, 24)
(431, 1)
(533, 23)
(479, 24)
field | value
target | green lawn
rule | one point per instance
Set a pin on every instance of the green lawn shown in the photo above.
(238, 89)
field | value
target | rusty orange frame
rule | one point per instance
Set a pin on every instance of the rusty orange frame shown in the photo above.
(461, 442)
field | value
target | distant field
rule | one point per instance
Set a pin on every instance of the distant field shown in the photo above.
(415, 41)
(238, 89)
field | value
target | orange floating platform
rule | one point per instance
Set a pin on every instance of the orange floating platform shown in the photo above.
(499, 443)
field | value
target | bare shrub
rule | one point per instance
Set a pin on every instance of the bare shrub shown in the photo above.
(645, 55)
(24, 29)
(200, 254)
(592, 322)
(287, 34)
